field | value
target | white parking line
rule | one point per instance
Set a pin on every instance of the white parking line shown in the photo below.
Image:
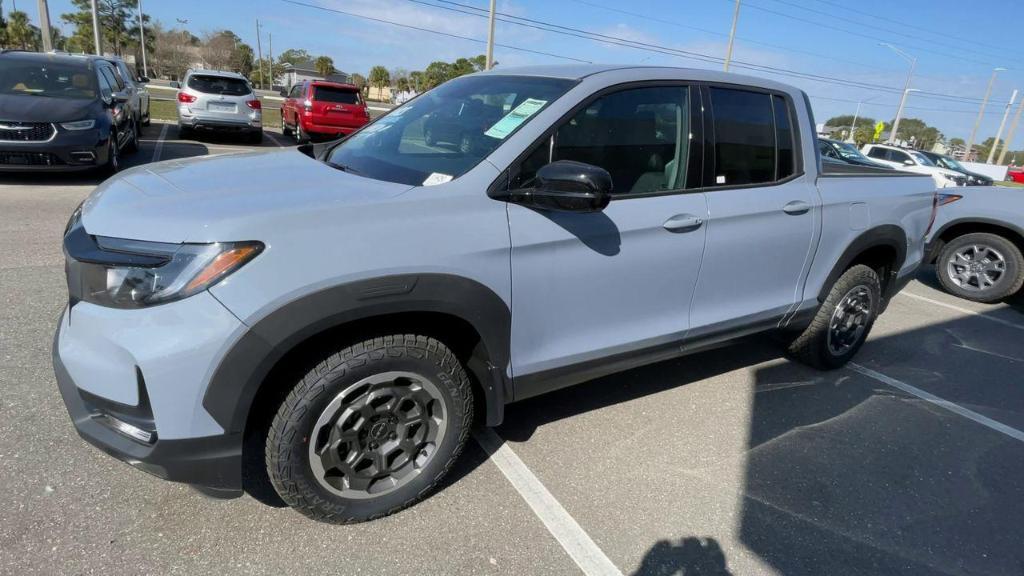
(587, 555)
(160, 143)
(951, 406)
(964, 310)
(273, 139)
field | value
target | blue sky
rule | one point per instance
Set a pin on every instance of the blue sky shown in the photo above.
(957, 43)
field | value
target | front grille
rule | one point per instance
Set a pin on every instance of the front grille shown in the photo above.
(25, 131)
(28, 159)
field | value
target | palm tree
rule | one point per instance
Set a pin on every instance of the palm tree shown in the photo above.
(19, 31)
(324, 66)
(380, 78)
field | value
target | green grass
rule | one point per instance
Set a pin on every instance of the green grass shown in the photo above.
(1010, 184)
(167, 110)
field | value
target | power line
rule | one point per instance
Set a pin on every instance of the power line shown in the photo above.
(438, 32)
(884, 105)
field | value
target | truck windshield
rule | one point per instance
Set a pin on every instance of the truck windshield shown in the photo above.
(48, 79)
(445, 132)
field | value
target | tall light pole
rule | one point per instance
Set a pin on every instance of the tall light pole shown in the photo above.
(999, 134)
(259, 53)
(44, 26)
(1013, 131)
(981, 112)
(906, 89)
(96, 29)
(856, 115)
(270, 57)
(490, 37)
(732, 35)
(142, 41)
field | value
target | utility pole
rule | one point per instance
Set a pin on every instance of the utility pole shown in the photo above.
(999, 134)
(270, 56)
(899, 114)
(732, 35)
(856, 115)
(259, 52)
(490, 37)
(142, 41)
(1013, 131)
(96, 29)
(906, 89)
(981, 112)
(44, 26)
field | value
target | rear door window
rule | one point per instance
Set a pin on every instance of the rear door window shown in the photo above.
(335, 95)
(879, 153)
(218, 85)
(115, 83)
(745, 144)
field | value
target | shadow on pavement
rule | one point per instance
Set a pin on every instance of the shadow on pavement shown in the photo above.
(689, 557)
(927, 277)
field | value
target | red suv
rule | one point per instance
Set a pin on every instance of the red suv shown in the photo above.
(320, 108)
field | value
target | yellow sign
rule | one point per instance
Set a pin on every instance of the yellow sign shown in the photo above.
(878, 130)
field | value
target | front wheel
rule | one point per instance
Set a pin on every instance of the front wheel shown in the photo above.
(982, 267)
(843, 322)
(371, 429)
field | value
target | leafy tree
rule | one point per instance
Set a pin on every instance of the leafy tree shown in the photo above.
(402, 84)
(218, 48)
(359, 81)
(242, 59)
(379, 77)
(174, 51)
(324, 66)
(294, 57)
(846, 119)
(416, 80)
(118, 22)
(19, 31)
(957, 142)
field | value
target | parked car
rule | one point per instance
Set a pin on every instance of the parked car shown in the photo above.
(846, 152)
(63, 113)
(460, 124)
(317, 108)
(977, 241)
(913, 161)
(1015, 175)
(950, 163)
(218, 102)
(135, 88)
(331, 320)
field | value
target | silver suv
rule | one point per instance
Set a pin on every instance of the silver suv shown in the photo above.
(218, 101)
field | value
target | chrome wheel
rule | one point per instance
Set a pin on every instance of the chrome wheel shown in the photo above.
(849, 320)
(377, 434)
(976, 267)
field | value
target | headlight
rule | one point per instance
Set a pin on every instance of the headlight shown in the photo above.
(134, 274)
(79, 125)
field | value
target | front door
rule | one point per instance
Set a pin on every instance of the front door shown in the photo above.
(763, 213)
(589, 287)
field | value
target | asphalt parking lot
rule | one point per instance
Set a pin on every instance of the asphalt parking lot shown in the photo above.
(734, 461)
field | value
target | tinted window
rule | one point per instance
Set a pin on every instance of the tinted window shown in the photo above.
(335, 95)
(879, 153)
(108, 73)
(218, 85)
(826, 150)
(296, 91)
(635, 136)
(786, 164)
(106, 90)
(897, 156)
(45, 78)
(744, 137)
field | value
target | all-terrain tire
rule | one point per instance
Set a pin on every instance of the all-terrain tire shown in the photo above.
(288, 450)
(812, 346)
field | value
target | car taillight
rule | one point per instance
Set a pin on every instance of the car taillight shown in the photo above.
(254, 104)
(186, 98)
(307, 105)
(939, 199)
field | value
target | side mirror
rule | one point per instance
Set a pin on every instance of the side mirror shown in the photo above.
(908, 162)
(176, 85)
(143, 79)
(120, 97)
(567, 186)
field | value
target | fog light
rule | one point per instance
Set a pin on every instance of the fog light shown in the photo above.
(126, 429)
(84, 157)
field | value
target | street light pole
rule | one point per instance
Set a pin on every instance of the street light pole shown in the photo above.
(906, 89)
(999, 134)
(856, 115)
(490, 37)
(1013, 131)
(96, 29)
(732, 35)
(259, 53)
(981, 112)
(142, 41)
(44, 26)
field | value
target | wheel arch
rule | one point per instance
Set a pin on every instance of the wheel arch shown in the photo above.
(961, 226)
(883, 248)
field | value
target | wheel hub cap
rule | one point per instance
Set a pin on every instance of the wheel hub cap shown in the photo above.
(377, 434)
(976, 267)
(850, 320)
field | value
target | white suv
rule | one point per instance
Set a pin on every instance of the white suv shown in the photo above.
(913, 161)
(218, 101)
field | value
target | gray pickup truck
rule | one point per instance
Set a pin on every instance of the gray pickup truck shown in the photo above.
(323, 325)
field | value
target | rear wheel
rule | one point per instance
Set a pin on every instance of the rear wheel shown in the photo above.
(300, 135)
(132, 145)
(113, 164)
(371, 429)
(285, 129)
(843, 322)
(982, 267)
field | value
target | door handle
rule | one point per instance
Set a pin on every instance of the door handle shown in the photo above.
(796, 207)
(682, 223)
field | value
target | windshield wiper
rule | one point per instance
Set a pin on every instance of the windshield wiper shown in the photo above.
(343, 167)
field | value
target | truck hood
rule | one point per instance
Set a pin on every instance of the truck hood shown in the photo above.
(223, 198)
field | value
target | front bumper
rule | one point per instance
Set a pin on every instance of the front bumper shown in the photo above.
(68, 151)
(106, 372)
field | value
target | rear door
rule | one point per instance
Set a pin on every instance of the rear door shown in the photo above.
(764, 212)
(589, 287)
(337, 106)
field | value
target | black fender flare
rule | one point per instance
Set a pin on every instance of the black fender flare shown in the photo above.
(888, 235)
(242, 370)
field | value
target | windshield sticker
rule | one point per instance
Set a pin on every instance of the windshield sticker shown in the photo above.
(513, 119)
(437, 178)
